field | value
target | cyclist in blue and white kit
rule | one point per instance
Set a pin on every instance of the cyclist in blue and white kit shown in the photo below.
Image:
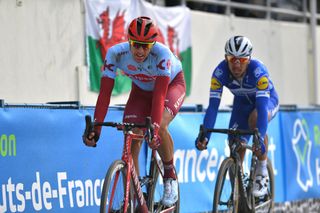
(158, 90)
(255, 101)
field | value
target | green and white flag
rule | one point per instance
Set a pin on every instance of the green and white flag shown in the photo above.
(106, 25)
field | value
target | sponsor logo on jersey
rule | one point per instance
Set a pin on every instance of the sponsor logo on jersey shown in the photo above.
(218, 72)
(132, 67)
(141, 77)
(107, 66)
(263, 83)
(160, 65)
(168, 64)
(215, 84)
(257, 72)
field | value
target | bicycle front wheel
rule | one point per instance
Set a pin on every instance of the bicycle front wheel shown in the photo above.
(114, 188)
(271, 185)
(155, 188)
(226, 193)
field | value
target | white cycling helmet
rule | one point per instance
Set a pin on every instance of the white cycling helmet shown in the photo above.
(238, 46)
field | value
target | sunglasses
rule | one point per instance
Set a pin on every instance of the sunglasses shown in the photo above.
(234, 59)
(138, 44)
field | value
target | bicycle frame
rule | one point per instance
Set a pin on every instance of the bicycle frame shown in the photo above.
(131, 172)
(235, 155)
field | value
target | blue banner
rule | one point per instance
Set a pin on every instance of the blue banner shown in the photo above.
(44, 166)
(301, 154)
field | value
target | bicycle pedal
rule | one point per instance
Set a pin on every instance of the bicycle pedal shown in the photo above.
(168, 207)
(261, 199)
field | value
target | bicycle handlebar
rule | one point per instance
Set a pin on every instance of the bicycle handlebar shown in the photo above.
(120, 126)
(230, 131)
(254, 132)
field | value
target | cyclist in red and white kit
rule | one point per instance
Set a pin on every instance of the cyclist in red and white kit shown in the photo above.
(158, 90)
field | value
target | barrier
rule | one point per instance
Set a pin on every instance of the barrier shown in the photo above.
(44, 165)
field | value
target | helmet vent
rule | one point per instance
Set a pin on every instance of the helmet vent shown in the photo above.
(238, 42)
(147, 28)
(130, 33)
(154, 36)
(139, 25)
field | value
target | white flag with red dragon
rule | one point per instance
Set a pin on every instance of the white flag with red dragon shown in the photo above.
(106, 25)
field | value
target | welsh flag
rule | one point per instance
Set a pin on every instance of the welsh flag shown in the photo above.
(106, 25)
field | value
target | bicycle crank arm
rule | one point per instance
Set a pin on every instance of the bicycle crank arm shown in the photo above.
(164, 209)
(169, 210)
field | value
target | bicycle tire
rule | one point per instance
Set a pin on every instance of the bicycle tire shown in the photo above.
(117, 168)
(271, 181)
(226, 191)
(155, 188)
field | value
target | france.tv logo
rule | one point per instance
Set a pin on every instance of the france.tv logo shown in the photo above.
(301, 145)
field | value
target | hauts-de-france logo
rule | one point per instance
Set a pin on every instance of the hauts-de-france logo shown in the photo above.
(302, 144)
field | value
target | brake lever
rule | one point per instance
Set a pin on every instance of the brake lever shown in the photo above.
(88, 129)
(149, 130)
(202, 132)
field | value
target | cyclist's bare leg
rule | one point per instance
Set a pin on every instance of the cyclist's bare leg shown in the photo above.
(166, 148)
(135, 150)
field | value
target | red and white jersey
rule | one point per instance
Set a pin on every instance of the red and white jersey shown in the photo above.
(160, 62)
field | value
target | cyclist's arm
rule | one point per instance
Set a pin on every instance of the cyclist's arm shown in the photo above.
(262, 99)
(216, 89)
(158, 98)
(103, 101)
(262, 110)
(211, 115)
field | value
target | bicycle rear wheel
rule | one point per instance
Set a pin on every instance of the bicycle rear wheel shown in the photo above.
(226, 192)
(114, 188)
(155, 188)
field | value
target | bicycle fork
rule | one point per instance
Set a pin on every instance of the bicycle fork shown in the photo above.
(242, 188)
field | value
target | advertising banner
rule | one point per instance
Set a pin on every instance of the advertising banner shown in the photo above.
(301, 154)
(44, 165)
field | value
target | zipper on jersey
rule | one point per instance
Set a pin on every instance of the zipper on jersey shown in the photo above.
(240, 83)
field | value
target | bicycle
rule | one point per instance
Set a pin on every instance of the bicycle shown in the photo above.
(122, 188)
(233, 192)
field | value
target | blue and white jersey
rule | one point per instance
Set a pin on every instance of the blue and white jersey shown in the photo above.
(254, 90)
(254, 84)
(160, 62)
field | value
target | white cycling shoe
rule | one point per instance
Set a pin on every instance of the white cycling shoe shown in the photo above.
(260, 186)
(170, 195)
